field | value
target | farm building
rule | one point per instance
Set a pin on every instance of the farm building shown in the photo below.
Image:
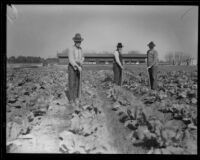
(105, 58)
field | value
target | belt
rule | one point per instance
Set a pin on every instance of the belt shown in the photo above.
(76, 63)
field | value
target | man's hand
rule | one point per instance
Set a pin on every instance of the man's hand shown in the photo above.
(79, 68)
(122, 67)
(148, 67)
(75, 67)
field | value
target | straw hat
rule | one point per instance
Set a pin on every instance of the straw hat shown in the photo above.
(77, 38)
(151, 44)
(119, 45)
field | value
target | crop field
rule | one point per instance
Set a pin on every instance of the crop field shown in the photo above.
(112, 119)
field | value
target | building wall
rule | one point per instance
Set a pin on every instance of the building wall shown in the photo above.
(105, 60)
(133, 60)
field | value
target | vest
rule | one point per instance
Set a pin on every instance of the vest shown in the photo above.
(120, 58)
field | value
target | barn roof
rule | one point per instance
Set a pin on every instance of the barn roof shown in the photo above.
(89, 55)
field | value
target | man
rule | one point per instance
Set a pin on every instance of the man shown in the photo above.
(118, 64)
(152, 65)
(74, 69)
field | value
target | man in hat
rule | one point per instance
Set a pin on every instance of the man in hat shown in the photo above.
(118, 64)
(152, 65)
(74, 69)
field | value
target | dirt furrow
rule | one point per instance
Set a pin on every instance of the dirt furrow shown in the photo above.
(119, 134)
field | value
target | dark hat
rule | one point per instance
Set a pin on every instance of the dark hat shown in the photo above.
(119, 45)
(77, 38)
(151, 44)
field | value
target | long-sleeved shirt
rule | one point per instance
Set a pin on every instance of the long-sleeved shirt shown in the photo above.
(117, 59)
(152, 58)
(76, 56)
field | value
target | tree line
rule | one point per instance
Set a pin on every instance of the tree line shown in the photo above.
(179, 58)
(24, 59)
(29, 59)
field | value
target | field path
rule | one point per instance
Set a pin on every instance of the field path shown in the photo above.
(116, 129)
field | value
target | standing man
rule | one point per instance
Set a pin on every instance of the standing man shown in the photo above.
(75, 68)
(118, 64)
(152, 65)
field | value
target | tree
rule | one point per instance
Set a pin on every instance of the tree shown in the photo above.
(169, 57)
(133, 52)
(183, 58)
(12, 59)
(161, 61)
(24, 59)
(178, 58)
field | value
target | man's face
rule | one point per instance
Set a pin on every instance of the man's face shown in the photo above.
(78, 44)
(151, 46)
(120, 50)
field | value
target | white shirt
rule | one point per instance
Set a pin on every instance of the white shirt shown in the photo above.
(76, 55)
(116, 56)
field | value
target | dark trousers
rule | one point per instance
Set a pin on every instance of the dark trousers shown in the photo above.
(153, 77)
(117, 74)
(74, 80)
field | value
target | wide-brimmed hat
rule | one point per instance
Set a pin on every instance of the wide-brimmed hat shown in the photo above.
(119, 45)
(151, 44)
(77, 38)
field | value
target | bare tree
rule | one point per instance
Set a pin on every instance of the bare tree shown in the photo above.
(169, 57)
(191, 61)
(187, 59)
(182, 58)
(178, 57)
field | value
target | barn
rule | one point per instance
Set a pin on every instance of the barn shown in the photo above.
(133, 58)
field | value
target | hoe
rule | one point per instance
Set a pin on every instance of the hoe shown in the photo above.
(80, 86)
(148, 77)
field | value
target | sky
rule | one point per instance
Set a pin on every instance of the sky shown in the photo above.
(44, 30)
